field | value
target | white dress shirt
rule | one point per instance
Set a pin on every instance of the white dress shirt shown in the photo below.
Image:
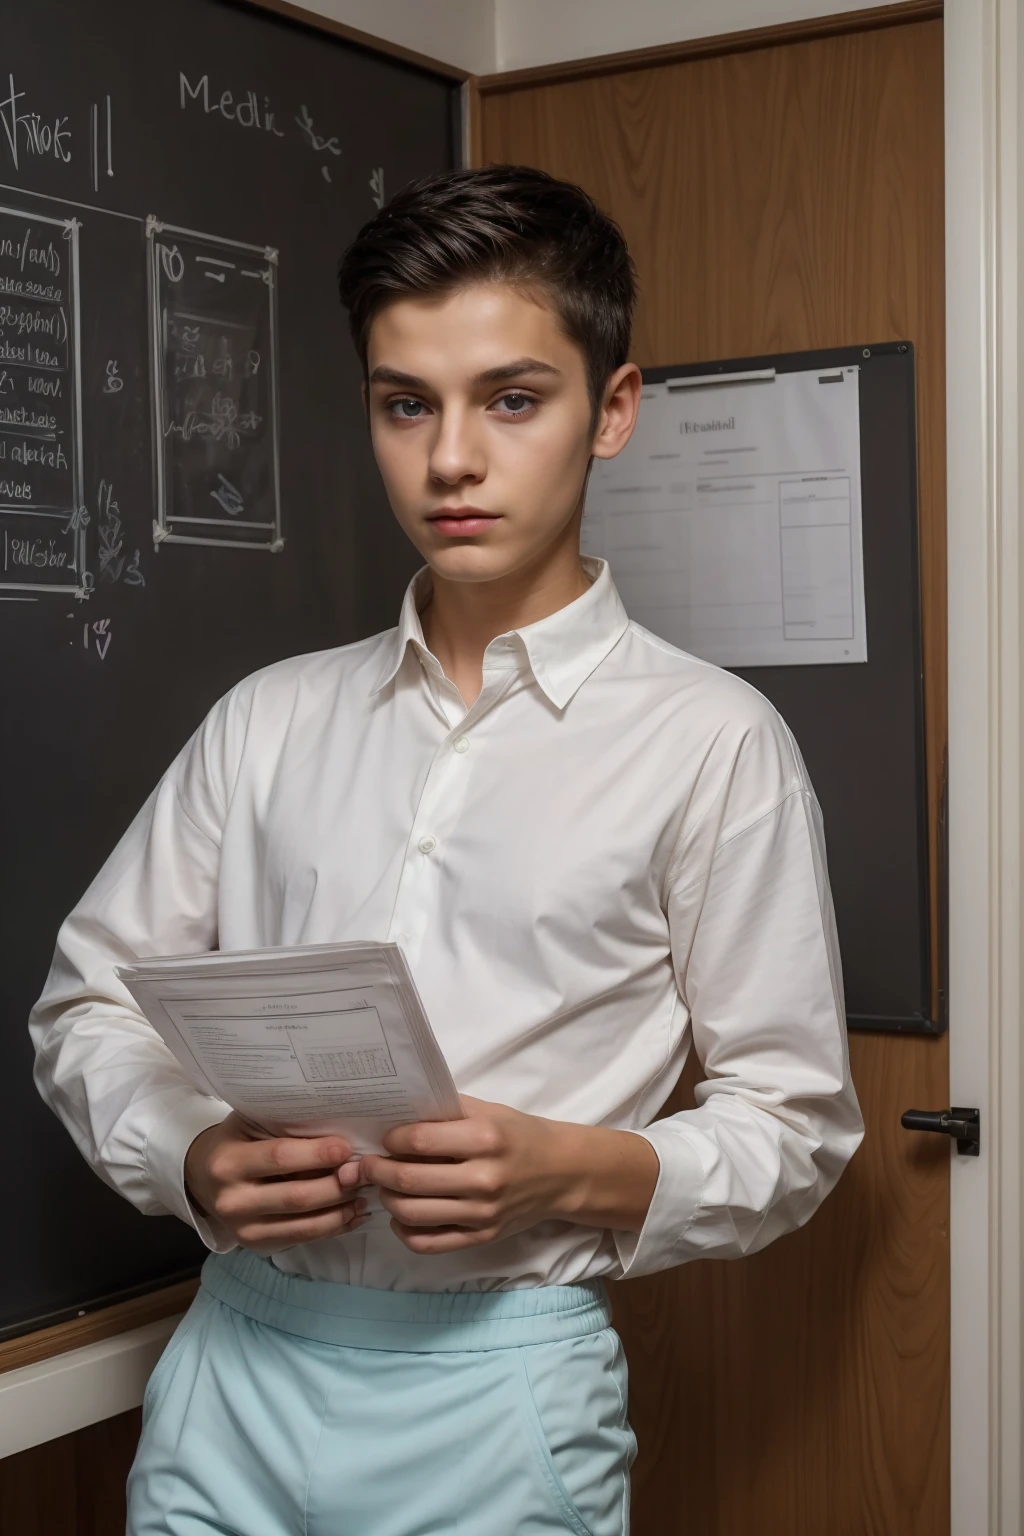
(614, 852)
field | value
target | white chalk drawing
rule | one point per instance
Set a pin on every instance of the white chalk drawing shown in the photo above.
(213, 355)
(95, 112)
(318, 142)
(377, 185)
(43, 518)
(99, 634)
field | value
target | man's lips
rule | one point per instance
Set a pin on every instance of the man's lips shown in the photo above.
(462, 522)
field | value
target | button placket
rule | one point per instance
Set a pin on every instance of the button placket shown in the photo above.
(435, 818)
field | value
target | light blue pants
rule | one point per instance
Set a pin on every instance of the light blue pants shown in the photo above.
(292, 1407)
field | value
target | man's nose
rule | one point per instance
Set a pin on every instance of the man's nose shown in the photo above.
(457, 452)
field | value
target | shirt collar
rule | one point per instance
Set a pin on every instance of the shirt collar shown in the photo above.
(562, 650)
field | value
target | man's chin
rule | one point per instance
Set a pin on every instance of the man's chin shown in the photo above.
(470, 560)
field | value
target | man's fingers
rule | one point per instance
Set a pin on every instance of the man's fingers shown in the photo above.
(293, 1154)
(436, 1213)
(450, 1180)
(280, 1197)
(270, 1236)
(440, 1240)
(475, 1137)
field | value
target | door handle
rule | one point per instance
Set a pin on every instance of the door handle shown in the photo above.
(964, 1124)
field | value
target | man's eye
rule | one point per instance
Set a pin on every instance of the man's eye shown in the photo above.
(515, 403)
(407, 410)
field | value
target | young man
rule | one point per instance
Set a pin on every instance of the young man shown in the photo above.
(591, 847)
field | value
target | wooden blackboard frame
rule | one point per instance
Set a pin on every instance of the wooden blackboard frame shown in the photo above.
(895, 442)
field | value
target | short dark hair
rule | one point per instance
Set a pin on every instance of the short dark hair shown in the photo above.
(505, 223)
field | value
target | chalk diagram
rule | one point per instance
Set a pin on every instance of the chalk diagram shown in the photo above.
(42, 515)
(214, 398)
(214, 374)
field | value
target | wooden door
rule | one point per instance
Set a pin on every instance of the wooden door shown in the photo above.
(778, 197)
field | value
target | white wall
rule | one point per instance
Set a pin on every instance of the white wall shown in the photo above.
(455, 31)
(484, 36)
(531, 32)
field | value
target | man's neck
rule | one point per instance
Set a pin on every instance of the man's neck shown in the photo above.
(463, 617)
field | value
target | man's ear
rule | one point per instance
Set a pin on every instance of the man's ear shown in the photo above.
(617, 416)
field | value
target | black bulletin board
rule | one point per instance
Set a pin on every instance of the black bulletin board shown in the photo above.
(187, 491)
(860, 727)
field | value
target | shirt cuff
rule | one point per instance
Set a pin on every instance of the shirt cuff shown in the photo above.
(166, 1147)
(674, 1205)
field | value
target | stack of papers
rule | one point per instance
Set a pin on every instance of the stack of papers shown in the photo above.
(327, 1039)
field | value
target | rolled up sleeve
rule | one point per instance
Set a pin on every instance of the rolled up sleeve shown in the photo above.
(757, 963)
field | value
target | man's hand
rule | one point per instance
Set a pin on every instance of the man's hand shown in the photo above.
(452, 1184)
(272, 1193)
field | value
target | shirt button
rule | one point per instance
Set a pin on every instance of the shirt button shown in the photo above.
(427, 844)
(461, 744)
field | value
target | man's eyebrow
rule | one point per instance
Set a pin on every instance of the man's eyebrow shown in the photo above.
(384, 375)
(514, 370)
(522, 365)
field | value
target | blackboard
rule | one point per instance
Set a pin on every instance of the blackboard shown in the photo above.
(186, 486)
(860, 727)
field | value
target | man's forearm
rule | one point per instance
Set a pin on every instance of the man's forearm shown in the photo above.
(610, 1177)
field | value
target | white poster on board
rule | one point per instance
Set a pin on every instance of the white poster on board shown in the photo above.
(732, 519)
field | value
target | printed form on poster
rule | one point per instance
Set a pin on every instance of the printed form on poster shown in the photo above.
(732, 519)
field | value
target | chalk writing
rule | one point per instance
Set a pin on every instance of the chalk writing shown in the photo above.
(172, 263)
(25, 416)
(27, 249)
(228, 496)
(95, 114)
(25, 288)
(22, 451)
(100, 634)
(40, 451)
(113, 564)
(78, 520)
(250, 109)
(113, 382)
(247, 113)
(30, 133)
(29, 320)
(41, 554)
(110, 558)
(317, 141)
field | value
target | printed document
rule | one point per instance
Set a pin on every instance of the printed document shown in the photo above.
(732, 518)
(327, 1039)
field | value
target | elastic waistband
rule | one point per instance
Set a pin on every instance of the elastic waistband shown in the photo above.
(420, 1322)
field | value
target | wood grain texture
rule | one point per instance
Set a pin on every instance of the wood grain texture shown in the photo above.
(779, 199)
(44, 1343)
(73, 1486)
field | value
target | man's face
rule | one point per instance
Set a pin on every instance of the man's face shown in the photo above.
(481, 425)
